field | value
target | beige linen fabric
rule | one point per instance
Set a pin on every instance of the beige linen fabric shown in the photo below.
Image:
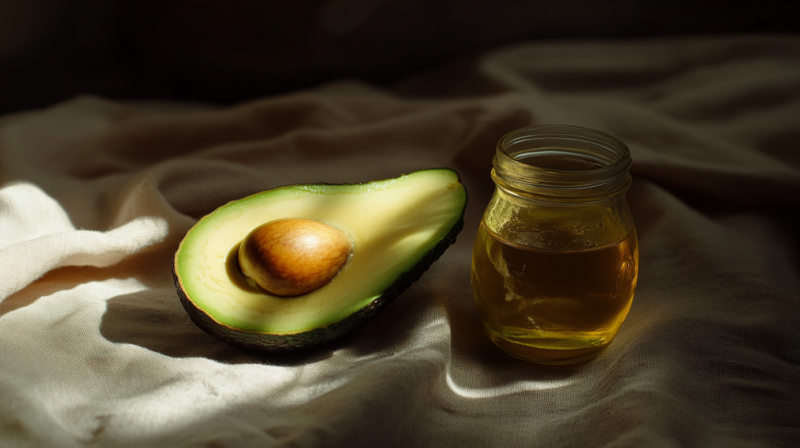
(96, 350)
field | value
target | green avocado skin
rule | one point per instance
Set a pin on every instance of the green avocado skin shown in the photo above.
(290, 342)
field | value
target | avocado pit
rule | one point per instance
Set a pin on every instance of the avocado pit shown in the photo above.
(290, 257)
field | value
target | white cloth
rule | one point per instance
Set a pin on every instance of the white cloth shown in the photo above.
(95, 348)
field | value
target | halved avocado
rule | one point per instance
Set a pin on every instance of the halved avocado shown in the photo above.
(399, 227)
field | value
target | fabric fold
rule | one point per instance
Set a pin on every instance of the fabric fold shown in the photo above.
(36, 236)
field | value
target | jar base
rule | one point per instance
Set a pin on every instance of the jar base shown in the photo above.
(547, 356)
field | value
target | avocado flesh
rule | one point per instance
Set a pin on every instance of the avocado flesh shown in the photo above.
(398, 228)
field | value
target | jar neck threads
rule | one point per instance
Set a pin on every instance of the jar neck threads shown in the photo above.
(561, 163)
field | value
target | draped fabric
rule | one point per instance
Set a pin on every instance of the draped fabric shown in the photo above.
(95, 195)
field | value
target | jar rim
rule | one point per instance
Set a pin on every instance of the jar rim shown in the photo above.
(561, 161)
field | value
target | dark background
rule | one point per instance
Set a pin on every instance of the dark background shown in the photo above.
(226, 51)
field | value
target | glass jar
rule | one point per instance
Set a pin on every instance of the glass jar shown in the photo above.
(555, 261)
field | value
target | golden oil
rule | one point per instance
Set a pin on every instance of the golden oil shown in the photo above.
(553, 306)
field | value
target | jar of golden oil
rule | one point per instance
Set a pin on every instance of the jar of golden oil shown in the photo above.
(555, 261)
